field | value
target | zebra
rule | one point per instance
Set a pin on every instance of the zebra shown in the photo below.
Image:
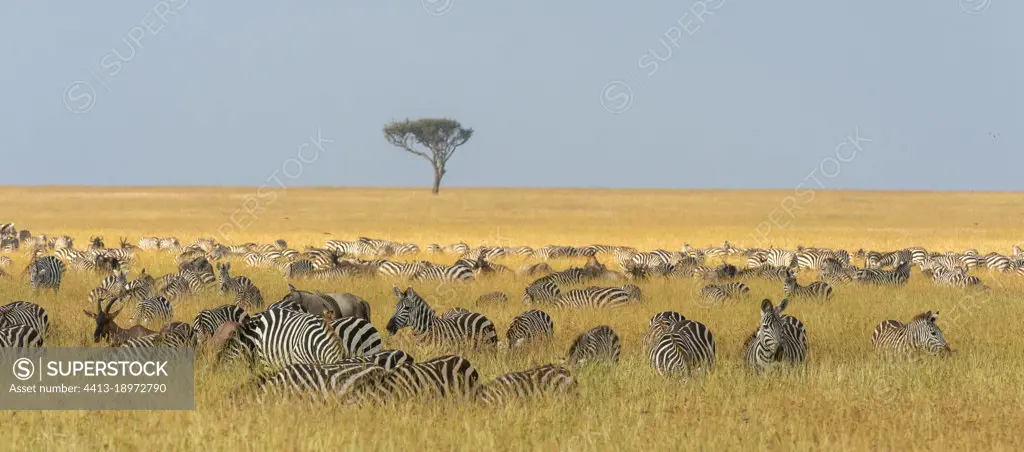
(835, 272)
(411, 310)
(659, 325)
(492, 298)
(897, 277)
(444, 376)
(817, 290)
(452, 274)
(772, 257)
(46, 273)
(20, 336)
(208, 320)
(528, 384)
(5, 262)
(149, 243)
(598, 297)
(454, 313)
(321, 382)
(920, 334)
(268, 259)
(249, 297)
(277, 338)
(401, 269)
(780, 338)
(298, 268)
(957, 277)
(151, 309)
(600, 344)
(543, 291)
(343, 248)
(25, 313)
(60, 242)
(684, 348)
(723, 292)
(237, 284)
(995, 261)
(527, 327)
(9, 244)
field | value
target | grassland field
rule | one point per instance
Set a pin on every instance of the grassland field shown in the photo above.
(844, 398)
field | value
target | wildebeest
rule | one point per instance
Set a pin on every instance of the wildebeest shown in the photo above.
(340, 304)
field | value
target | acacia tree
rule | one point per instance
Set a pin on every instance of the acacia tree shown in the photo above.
(438, 138)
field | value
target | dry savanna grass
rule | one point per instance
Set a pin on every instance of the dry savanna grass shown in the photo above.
(844, 398)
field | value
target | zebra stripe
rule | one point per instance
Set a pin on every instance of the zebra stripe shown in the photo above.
(547, 380)
(208, 320)
(600, 344)
(445, 376)
(660, 324)
(452, 274)
(277, 338)
(20, 336)
(598, 297)
(358, 336)
(685, 348)
(46, 273)
(816, 290)
(529, 326)
(150, 309)
(25, 313)
(320, 382)
(879, 277)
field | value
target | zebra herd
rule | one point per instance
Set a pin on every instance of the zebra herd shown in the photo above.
(324, 346)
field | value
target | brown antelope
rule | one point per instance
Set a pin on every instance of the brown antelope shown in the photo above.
(106, 328)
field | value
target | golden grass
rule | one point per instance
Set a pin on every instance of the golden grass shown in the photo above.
(844, 398)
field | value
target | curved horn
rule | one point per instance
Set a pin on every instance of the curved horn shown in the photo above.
(99, 307)
(112, 300)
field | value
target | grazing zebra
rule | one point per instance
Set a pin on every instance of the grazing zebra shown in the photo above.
(401, 269)
(684, 348)
(492, 298)
(772, 257)
(528, 384)
(897, 277)
(61, 242)
(722, 292)
(46, 273)
(452, 274)
(543, 291)
(149, 243)
(995, 261)
(412, 311)
(529, 326)
(9, 244)
(298, 268)
(277, 338)
(5, 262)
(320, 382)
(25, 313)
(151, 309)
(455, 313)
(816, 290)
(920, 334)
(267, 259)
(600, 344)
(445, 376)
(598, 297)
(208, 320)
(249, 297)
(20, 336)
(780, 338)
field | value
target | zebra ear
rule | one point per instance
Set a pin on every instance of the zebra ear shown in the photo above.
(398, 293)
(932, 317)
(766, 305)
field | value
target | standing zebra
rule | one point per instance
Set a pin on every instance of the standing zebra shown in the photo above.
(597, 345)
(540, 381)
(660, 324)
(527, 327)
(684, 348)
(452, 274)
(247, 295)
(151, 309)
(920, 334)
(46, 272)
(780, 338)
(412, 311)
(280, 337)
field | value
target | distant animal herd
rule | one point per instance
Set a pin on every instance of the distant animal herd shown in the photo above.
(324, 346)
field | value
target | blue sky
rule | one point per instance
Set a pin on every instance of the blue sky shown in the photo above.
(745, 94)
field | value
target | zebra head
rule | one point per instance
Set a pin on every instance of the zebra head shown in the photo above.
(926, 334)
(410, 310)
(633, 291)
(225, 276)
(771, 327)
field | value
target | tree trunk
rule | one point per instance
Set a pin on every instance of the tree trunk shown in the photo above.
(438, 173)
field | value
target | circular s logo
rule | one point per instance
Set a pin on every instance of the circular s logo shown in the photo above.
(24, 369)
